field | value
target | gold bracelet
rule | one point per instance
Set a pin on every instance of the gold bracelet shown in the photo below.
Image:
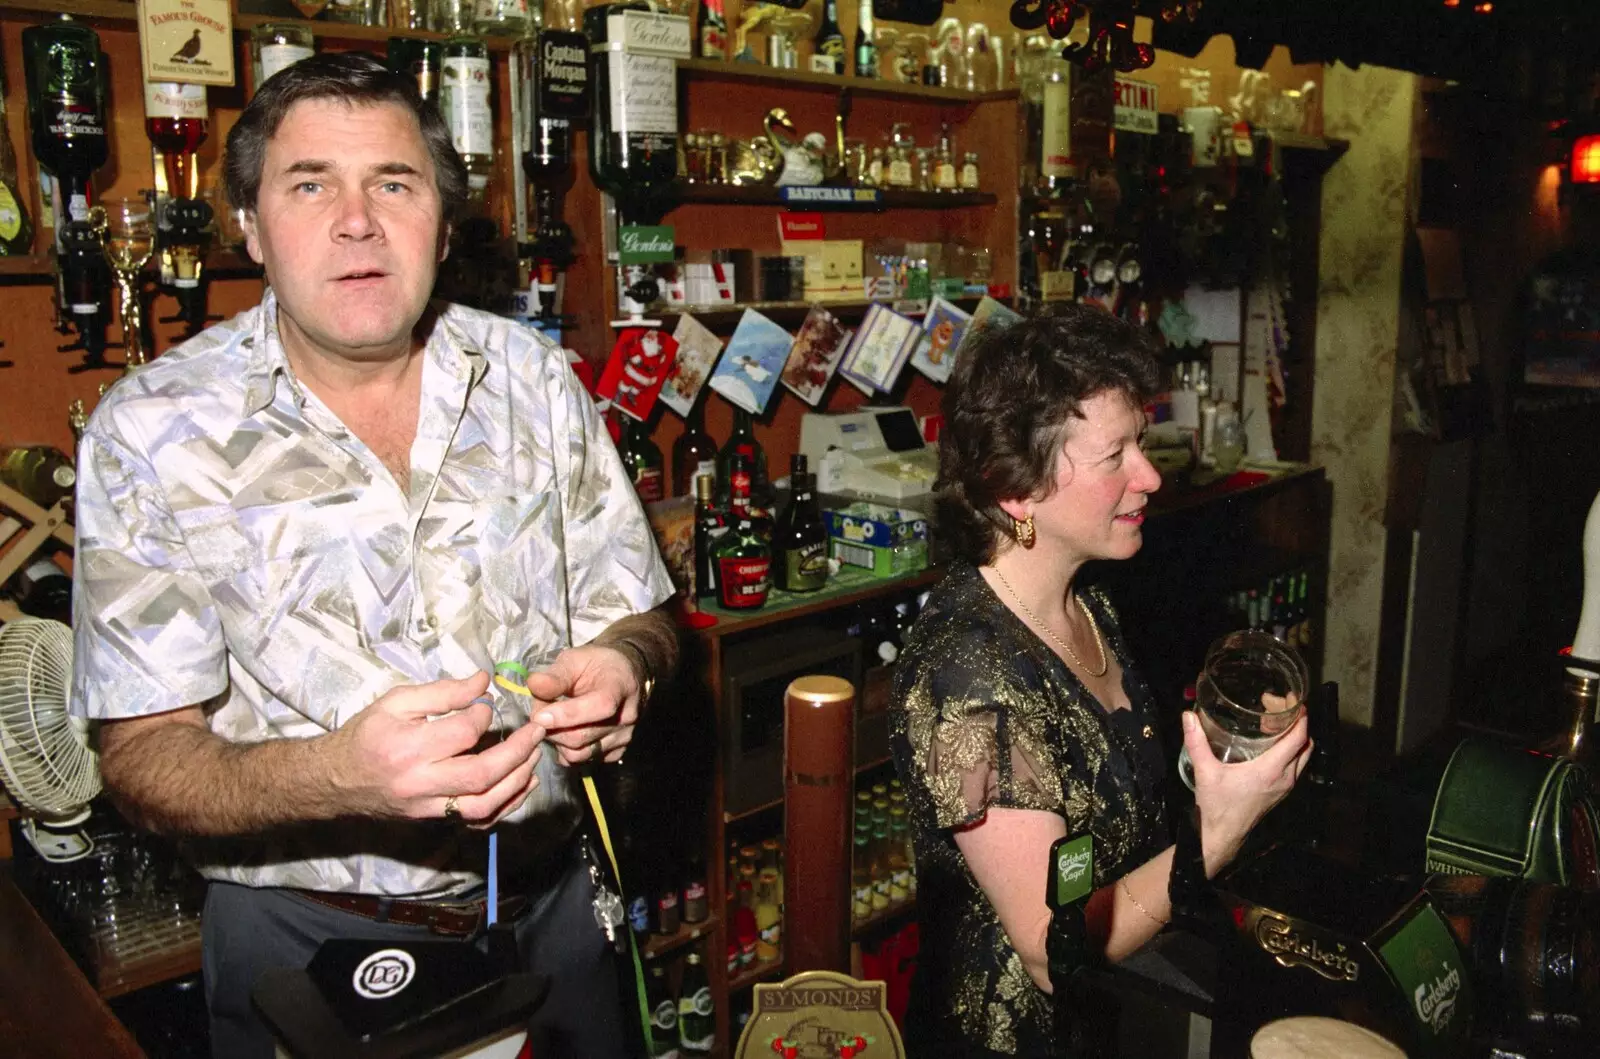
(1129, 894)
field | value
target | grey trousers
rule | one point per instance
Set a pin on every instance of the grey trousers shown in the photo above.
(246, 931)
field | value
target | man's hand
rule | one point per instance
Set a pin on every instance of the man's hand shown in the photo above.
(598, 692)
(396, 762)
(1232, 798)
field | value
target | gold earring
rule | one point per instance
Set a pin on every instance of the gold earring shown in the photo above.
(1022, 529)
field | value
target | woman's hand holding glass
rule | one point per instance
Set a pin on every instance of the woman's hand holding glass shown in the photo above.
(1233, 797)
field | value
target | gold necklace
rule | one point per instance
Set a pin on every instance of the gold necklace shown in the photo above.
(1100, 645)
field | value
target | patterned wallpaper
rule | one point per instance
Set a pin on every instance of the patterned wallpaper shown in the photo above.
(1364, 220)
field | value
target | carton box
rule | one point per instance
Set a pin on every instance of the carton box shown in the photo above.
(888, 541)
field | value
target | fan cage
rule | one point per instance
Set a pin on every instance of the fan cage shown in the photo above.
(48, 765)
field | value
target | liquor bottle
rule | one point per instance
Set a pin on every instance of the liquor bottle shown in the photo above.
(39, 472)
(663, 1014)
(697, 1023)
(275, 46)
(800, 542)
(1048, 167)
(43, 590)
(769, 917)
(696, 900)
(742, 557)
(828, 57)
(177, 119)
(421, 59)
(742, 442)
(693, 452)
(713, 30)
(642, 458)
(633, 147)
(16, 234)
(66, 79)
(709, 526)
(464, 101)
(866, 41)
(944, 161)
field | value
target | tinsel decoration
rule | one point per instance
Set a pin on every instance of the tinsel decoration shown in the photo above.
(1110, 40)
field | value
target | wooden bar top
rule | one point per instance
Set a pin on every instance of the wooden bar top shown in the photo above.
(47, 1007)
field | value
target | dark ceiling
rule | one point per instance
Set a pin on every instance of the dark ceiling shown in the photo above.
(1422, 36)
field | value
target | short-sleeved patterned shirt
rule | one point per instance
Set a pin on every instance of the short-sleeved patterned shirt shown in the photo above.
(238, 547)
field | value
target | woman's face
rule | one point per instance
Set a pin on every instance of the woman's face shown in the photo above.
(1102, 482)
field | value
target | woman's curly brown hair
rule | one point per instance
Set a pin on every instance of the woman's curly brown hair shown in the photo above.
(1007, 406)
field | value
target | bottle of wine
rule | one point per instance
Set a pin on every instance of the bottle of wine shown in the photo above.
(800, 541)
(276, 45)
(16, 234)
(633, 147)
(743, 557)
(39, 472)
(694, 452)
(866, 41)
(697, 1022)
(663, 1013)
(67, 107)
(177, 119)
(742, 442)
(713, 31)
(642, 458)
(828, 56)
(464, 100)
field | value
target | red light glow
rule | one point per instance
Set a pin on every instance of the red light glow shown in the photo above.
(1586, 160)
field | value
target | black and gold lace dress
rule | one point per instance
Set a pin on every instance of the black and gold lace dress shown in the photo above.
(984, 714)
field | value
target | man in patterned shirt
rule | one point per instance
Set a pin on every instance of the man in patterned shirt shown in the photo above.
(306, 535)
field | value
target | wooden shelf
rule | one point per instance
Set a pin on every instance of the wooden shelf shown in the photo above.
(786, 606)
(712, 70)
(41, 268)
(661, 944)
(883, 917)
(892, 199)
(754, 973)
(723, 319)
(104, 11)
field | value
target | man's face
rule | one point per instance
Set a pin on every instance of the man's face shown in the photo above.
(349, 227)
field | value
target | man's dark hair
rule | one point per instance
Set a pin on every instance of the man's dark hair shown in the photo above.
(1007, 406)
(357, 79)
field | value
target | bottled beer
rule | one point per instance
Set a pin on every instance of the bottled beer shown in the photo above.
(800, 542)
(772, 860)
(642, 458)
(668, 911)
(900, 884)
(694, 453)
(861, 876)
(697, 1023)
(829, 55)
(769, 917)
(696, 902)
(742, 557)
(663, 1014)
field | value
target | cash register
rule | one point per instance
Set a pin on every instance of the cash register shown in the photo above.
(874, 452)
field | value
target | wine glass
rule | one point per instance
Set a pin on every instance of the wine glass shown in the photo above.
(129, 240)
(1251, 691)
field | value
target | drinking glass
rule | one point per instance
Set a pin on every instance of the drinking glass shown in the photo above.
(1251, 691)
(129, 240)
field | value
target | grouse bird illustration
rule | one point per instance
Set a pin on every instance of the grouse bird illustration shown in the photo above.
(190, 49)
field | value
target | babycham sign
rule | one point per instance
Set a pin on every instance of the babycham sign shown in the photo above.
(189, 41)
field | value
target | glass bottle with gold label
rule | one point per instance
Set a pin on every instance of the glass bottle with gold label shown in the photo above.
(16, 234)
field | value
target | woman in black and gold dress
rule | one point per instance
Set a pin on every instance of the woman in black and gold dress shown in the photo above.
(1018, 716)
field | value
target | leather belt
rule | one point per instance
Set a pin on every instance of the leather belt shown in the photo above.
(457, 919)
